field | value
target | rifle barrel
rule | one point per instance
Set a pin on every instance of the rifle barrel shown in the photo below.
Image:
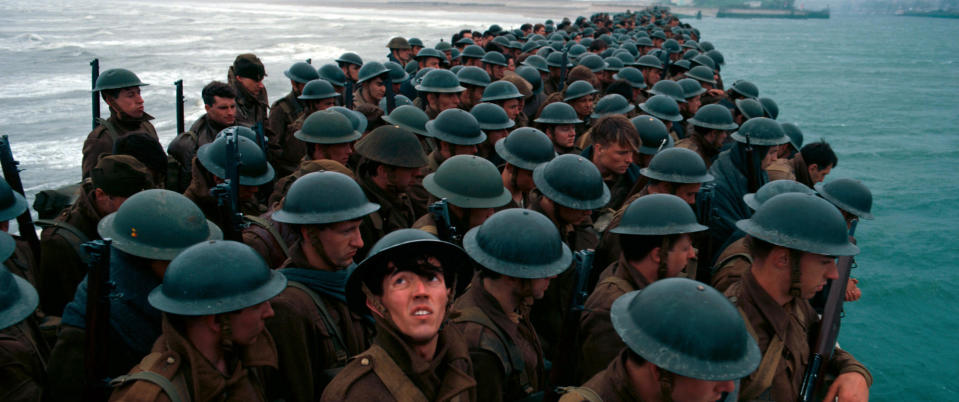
(180, 126)
(12, 174)
(94, 74)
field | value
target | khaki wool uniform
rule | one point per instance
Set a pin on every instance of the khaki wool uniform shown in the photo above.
(790, 169)
(396, 212)
(610, 385)
(100, 140)
(419, 197)
(283, 112)
(286, 151)
(391, 370)
(608, 250)
(784, 334)
(731, 265)
(694, 142)
(250, 109)
(475, 314)
(23, 356)
(175, 358)
(313, 341)
(62, 268)
(199, 193)
(183, 148)
(271, 239)
(600, 342)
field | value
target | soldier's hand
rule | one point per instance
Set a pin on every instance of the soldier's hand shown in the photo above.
(853, 292)
(848, 387)
(715, 92)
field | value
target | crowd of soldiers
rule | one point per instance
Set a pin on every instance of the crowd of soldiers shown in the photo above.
(579, 211)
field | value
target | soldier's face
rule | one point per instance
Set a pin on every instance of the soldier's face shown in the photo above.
(770, 157)
(417, 304)
(352, 71)
(693, 390)
(614, 158)
(129, 102)
(524, 180)
(816, 269)
(492, 136)
(688, 192)
(652, 76)
(222, 111)
(582, 105)
(248, 193)
(446, 101)
(478, 215)
(375, 88)
(716, 138)
(473, 95)
(563, 135)
(337, 152)
(816, 174)
(431, 62)
(252, 86)
(246, 325)
(691, 105)
(340, 241)
(572, 216)
(400, 178)
(403, 54)
(678, 257)
(323, 104)
(495, 71)
(512, 108)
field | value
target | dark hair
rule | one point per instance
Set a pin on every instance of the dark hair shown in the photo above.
(615, 129)
(759, 249)
(598, 44)
(526, 26)
(820, 154)
(110, 93)
(217, 88)
(486, 273)
(581, 73)
(415, 260)
(621, 87)
(538, 26)
(637, 247)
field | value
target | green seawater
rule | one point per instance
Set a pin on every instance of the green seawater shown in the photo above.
(884, 91)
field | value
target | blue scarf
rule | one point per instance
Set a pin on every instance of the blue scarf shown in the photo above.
(329, 283)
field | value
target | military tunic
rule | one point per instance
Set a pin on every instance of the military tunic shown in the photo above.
(310, 352)
(694, 142)
(183, 148)
(392, 371)
(286, 151)
(496, 378)
(23, 355)
(61, 266)
(250, 109)
(264, 240)
(175, 358)
(731, 265)
(790, 169)
(600, 342)
(611, 385)
(790, 327)
(396, 212)
(199, 193)
(100, 140)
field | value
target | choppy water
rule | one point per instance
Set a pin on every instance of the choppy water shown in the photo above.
(882, 90)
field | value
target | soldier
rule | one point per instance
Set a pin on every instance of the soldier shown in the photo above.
(809, 166)
(495, 65)
(219, 100)
(494, 313)
(471, 187)
(63, 266)
(416, 44)
(392, 157)
(655, 244)
(709, 128)
(285, 152)
(412, 119)
(120, 89)
(555, 82)
(651, 68)
(408, 284)
(536, 98)
(328, 135)
(288, 108)
(475, 80)
(746, 109)
(23, 352)
(692, 91)
(666, 109)
(21, 262)
(148, 231)
(615, 141)
(372, 88)
(558, 121)
(684, 342)
(495, 123)
(580, 95)
(209, 170)
(399, 50)
(215, 298)
(654, 137)
(523, 150)
(734, 261)
(570, 188)
(854, 200)
(246, 76)
(439, 91)
(472, 55)
(430, 57)
(314, 330)
(350, 64)
(456, 132)
(731, 169)
(795, 141)
(793, 240)
(505, 95)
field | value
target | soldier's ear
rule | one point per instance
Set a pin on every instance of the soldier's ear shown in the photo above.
(780, 257)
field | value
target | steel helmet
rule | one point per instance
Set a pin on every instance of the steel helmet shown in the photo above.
(468, 181)
(677, 165)
(573, 182)
(774, 188)
(537, 251)
(801, 222)
(303, 206)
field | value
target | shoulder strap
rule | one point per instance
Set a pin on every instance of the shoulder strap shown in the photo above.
(73, 230)
(263, 223)
(620, 283)
(176, 390)
(396, 381)
(767, 367)
(111, 129)
(585, 394)
(515, 357)
(341, 355)
(731, 257)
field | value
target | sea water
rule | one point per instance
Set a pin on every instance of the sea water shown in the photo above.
(882, 90)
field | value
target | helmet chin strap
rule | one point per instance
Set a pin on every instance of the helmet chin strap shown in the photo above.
(665, 384)
(317, 245)
(795, 274)
(663, 270)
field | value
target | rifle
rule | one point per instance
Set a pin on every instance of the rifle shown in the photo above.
(706, 213)
(348, 95)
(260, 136)
(12, 174)
(444, 226)
(309, 61)
(562, 69)
(752, 176)
(666, 64)
(97, 339)
(565, 367)
(828, 332)
(180, 127)
(94, 74)
(390, 97)
(227, 194)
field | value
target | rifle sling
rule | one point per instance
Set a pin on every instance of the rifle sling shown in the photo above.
(338, 341)
(176, 390)
(256, 220)
(72, 230)
(767, 367)
(515, 358)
